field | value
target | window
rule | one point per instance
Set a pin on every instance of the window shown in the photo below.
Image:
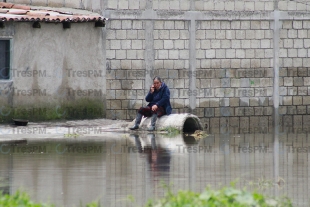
(4, 59)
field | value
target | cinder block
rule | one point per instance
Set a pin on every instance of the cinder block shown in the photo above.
(173, 54)
(244, 101)
(254, 101)
(216, 24)
(133, 4)
(163, 34)
(283, 52)
(235, 44)
(115, 64)
(199, 5)
(292, 33)
(249, 6)
(120, 74)
(219, 6)
(219, 34)
(297, 100)
(215, 63)
(121, 54)
(214, 102)
(126, 64)
(209, 112)
(175, 5)
(225, 25)
(208, 6)
(233, 101)
(302, 52)
(240, 53)
(179, 64)
(169, 25)
(288, 43)
(256, 24)
(245, 63)
(283, 5)
(269, 6)
(111, 4)
(220, 53)
(255, 44)
(123, 4)
(239, 5)
(225, 43)
(230, 53)
(215, 44)
(116, 24)
(168, 64)
(137, 64)
(225, 63)
(250, 34)
(287, 100)
(288, 62)
(291, 6)
(267, 63)
(158, 25)
(219, 92)
(259, 34)
(259, 6)
(179, 25)
(125, 44)
(307, 81)
(246, 44)
(230, 34)
(229, 6)
(297, 62)
(131, 34)
(265, 43)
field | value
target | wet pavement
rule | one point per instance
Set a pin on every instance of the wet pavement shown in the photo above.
(74, 167)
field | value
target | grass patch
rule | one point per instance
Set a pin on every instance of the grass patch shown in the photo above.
(170, 131)
(80, 109)
(227, 196)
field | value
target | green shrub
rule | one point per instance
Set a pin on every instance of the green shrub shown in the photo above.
(19, 199)
(227, 196)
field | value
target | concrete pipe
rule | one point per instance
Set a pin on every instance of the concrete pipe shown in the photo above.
(184, 122)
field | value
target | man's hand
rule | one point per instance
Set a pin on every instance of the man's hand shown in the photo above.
(154, 107)
(152, 89)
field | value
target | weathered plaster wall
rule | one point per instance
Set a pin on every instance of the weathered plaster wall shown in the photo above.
(55, 67)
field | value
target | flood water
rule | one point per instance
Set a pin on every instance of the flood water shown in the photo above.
(75, 171)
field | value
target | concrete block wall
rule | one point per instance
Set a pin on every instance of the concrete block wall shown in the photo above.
(234, 69)
(125, 70)
(221, 65)
(294, 74)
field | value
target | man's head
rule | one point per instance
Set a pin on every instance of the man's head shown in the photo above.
(157, 82)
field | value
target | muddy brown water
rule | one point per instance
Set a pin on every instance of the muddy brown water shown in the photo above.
(129, 170)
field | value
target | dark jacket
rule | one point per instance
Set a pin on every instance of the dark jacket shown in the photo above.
(160, 97)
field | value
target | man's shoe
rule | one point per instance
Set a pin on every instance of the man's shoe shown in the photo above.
(151, 128)
(134, 127)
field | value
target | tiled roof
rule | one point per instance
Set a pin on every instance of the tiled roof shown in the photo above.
(24, 13)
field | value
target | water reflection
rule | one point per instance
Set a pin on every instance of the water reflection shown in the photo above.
(79, 170)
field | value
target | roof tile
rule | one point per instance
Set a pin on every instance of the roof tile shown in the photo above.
(17, 12)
